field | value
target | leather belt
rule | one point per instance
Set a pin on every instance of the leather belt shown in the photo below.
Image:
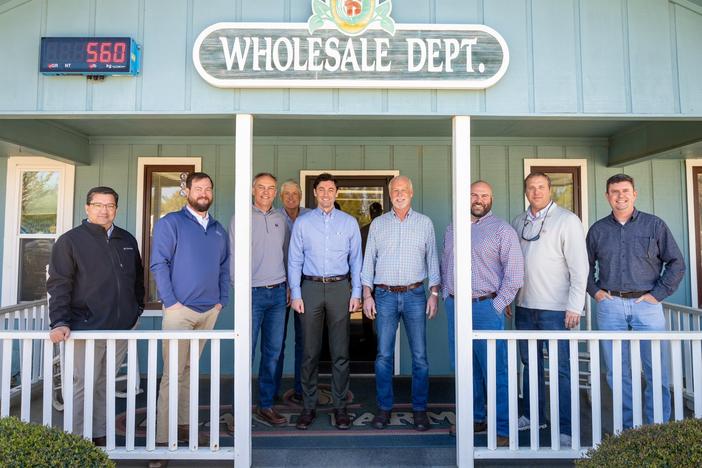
(628, 294)
(270, 286)
(325, 279)
(396, 289)
(484, 298)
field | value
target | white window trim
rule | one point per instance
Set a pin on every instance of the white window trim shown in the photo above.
(142, 162)
(64, 220)
(692, 235)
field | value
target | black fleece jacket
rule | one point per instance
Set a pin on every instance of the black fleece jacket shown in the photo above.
(95, 283)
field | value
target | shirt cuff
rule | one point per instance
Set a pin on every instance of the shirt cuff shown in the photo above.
(356, 293)
(295, 292)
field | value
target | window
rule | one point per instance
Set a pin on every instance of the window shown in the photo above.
(161, 191)
(39, 209)
(694, 204)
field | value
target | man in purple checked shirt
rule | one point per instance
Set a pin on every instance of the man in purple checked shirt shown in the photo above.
(498, 273)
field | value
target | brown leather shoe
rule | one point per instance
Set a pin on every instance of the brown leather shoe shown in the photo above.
(271, 416)
(421, 421)
(306, 418)
(502, 441)
(100, 441)
(203, 439)
(479, 427)
(342, 419)
(380, 420)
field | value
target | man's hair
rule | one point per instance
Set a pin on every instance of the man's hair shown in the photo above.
(537, 174)
(288, 183)
(617, 178)
(400, 177)
(375, 210)
(324, 177)
(193, 176)
(103, 191)
(264, 174)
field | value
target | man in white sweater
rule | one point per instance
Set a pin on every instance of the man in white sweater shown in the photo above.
(553, 296)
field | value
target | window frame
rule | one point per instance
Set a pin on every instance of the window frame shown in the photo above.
(693, 166)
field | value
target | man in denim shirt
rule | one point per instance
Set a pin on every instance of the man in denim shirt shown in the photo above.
(631, 248)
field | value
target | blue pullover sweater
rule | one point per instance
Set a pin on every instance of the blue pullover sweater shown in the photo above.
(190, 264)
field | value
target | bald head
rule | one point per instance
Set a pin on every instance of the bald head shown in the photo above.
(480, 199)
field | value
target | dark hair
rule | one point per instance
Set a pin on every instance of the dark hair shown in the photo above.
(537, 174)
(264, 174)
(193, 176)
(375, 210)
(617, 178)
(323, 177)
(103, 191)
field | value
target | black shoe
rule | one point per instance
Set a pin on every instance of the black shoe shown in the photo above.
(381, 419)
(421, 421)
(341, 416)
(306, 418)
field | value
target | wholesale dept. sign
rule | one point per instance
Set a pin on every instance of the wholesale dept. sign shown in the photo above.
(350, 44)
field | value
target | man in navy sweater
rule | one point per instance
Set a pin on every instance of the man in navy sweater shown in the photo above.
(190, 263)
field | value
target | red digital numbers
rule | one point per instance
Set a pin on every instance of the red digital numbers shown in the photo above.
(106, 52)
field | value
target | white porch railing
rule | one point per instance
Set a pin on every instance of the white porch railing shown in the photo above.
(36, 351)
(683, 318)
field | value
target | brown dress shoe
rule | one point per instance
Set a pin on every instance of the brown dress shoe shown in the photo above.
(306, 418)
(421, 421)
(342, 419)
(380, 420)
(502, 441)
(271, 416)
(479, 427)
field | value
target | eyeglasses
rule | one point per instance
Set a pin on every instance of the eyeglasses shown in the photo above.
(538, 234)
(99, 206)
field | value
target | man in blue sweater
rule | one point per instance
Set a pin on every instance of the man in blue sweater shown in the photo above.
(190, 263)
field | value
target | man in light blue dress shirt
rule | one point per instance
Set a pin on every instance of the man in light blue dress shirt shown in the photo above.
(400, 255)
(325, 250)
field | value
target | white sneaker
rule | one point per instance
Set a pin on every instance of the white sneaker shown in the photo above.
(566, 441)
(524, 424)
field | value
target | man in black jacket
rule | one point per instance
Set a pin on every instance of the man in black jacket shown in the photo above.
(96, 282)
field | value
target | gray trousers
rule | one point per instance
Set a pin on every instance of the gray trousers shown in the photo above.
(326, 303)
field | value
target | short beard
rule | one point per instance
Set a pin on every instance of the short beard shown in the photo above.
(200, 207)
(487, 210)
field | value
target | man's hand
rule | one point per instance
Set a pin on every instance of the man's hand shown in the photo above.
(287, 297)
(432, 305)
(601, 295)
(298, 306)
(572, 319)
(369, 307)
(648, 298)
(354, 304)
(218, 307)
(175, 306)
(59, 334)
(508, 311)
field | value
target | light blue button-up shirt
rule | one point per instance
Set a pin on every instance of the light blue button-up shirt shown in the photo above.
(400, 253)
(325, 245)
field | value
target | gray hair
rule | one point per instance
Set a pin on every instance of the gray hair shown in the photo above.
(288, 183)
(398, 178)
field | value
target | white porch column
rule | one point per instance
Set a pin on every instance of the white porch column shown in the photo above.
(463, 313)
(242, 290)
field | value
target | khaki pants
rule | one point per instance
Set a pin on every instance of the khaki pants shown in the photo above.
(182, 318)
(99, 384)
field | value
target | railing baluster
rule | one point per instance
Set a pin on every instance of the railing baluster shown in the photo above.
(88, 388)
(677, 379)
(111, 371)
(491, 396)
(635, 348)
(5, 377)
(697, 372)
(553, 394)
(657, 382)
(36, 348)
(512, 392)
(26, 376)
(594, 347)
(48, 390)
(534, 414)
(69, 352)
(131, 392)
(173, 394)
(151, 396)
(194, 392)
(617, 384)
(574, 394)
(687, 359)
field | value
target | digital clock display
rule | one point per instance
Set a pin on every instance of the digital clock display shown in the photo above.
(89, 56)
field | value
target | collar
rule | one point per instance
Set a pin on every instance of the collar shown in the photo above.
(634, 216)
(196, 215)
(323, 214)
(409, 213)
(99, 230)
(539, 213)
(264, 213)
(481, 219)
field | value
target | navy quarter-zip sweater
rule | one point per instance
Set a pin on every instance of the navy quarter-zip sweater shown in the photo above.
(95, 282)
(190, 264)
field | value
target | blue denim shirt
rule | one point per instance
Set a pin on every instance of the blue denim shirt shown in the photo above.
(631, 256)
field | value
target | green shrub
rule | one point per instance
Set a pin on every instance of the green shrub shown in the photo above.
(32, 445)
(676, 445)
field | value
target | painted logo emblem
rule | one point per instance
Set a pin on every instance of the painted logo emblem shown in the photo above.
(352, 17)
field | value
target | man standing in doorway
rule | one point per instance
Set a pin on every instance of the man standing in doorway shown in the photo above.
(325, 249)
(400, 255)
(291, 195)
(498, 273)
(268, 288)
(190, 263)
(638, 265)
(553, 295)
(96, 282)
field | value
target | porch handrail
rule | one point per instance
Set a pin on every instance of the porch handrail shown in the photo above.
(22, 306)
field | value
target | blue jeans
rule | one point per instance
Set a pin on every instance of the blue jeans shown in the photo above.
(626, 314)
(268, 317)
(450, 307)
(299, 346)
(485, 317)
(539, 319)
(411, 307)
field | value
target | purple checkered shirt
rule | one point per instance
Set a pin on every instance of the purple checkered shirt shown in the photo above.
(498, 264)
